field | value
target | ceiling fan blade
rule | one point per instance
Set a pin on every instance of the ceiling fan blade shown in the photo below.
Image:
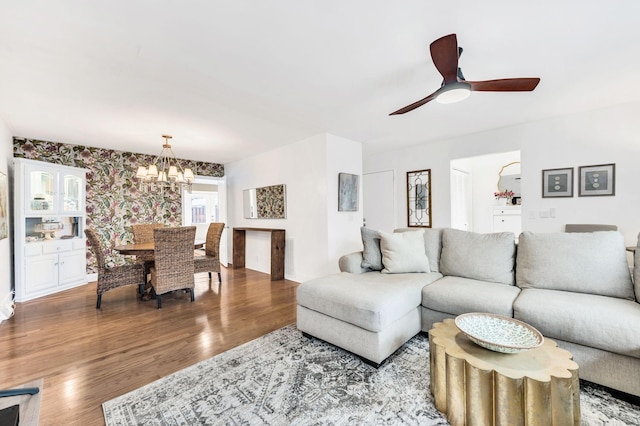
(444, 52)
(415, 104)
(505, 85)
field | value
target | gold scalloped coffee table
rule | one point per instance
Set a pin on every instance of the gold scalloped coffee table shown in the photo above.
(476, 386)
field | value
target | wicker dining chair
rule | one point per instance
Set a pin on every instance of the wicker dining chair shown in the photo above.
(174, 266)
(143, 233)
(210, 261)
(115, 276)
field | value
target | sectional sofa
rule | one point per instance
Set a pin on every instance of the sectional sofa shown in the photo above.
(576, 288)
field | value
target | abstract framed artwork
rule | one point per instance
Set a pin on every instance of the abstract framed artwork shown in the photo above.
(597, 180)
(4, 203)
(348, 192)
(557, 183)
(419, 198)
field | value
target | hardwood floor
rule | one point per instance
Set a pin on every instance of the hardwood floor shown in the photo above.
(88, 356)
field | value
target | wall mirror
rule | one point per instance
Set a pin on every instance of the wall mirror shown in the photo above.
(419, 198)
(509, 178)
(267, 202)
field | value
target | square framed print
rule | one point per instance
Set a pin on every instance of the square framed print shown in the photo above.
(598, 180)
(348, 192)
(557, 183)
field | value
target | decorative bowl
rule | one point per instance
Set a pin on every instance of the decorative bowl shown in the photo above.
(499, 333)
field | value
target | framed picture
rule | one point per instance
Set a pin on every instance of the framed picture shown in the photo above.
(4, 203)
(348, 192)
(419, 198)
(597, 180)
(557, 183)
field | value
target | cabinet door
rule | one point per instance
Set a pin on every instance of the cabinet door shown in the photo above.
(40, 189)
(41, 273)
(72, 190)
(507, 223)
(72, 267)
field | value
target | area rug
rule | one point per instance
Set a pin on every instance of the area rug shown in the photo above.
(284, 378)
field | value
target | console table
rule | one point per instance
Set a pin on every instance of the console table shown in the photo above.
(277, 250)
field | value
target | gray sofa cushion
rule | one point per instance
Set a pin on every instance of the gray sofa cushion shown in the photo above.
(455, 295)
(593, 263)
(601, 322)
(432, 245)
(403, 252)
(371, 254)
(485, 257)
(371, 300)
(636, 270)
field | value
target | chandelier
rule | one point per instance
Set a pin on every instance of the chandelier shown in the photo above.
(166, 171)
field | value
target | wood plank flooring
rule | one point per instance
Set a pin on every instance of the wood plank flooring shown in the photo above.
(88, 356)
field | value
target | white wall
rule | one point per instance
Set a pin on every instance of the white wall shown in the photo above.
(609, 135)
(343, 156)
(6, 155)
(316, 234)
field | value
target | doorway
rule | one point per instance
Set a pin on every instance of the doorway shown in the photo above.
(379, 201)
(206, 204)
(474, 180)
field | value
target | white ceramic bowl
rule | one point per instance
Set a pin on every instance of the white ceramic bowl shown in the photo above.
(499, 333)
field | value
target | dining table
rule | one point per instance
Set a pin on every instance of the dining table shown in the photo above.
(147, 248)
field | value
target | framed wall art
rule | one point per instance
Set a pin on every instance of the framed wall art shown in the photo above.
(348, 192)
(597, 180)
(419, 198)
(557, 183)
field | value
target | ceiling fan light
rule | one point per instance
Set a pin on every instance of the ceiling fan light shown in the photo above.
(454, 92)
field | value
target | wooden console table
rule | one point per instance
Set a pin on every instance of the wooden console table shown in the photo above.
(277, 250)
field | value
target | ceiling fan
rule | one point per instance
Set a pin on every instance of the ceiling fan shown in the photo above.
(445, 53)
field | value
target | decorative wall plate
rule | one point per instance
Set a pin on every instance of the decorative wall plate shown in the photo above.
(499, 333)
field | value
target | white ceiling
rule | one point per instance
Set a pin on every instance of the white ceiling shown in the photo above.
(230, 79)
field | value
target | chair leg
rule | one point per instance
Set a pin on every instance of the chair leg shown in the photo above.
(159, 298)
(193, 297)
(219, 278)
(99, 301)
(209, 275)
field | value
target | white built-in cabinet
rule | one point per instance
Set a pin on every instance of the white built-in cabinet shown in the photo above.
(51, 198)
(507, 219)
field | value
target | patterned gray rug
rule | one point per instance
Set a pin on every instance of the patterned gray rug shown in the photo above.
(284, 378)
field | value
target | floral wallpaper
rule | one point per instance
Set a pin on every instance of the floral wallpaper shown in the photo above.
(114, 197)
(270, 202)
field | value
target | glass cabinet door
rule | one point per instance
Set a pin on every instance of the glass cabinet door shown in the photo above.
(41, 190)
(72, 193)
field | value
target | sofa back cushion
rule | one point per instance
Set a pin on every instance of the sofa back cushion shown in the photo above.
(593, 263)
(432, 245)
(636, 270)
(486, 257)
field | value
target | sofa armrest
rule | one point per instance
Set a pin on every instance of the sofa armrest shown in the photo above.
(351, 263)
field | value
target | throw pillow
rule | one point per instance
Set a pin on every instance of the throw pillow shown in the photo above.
(432, 245)
(371, 255)
(403, 252)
